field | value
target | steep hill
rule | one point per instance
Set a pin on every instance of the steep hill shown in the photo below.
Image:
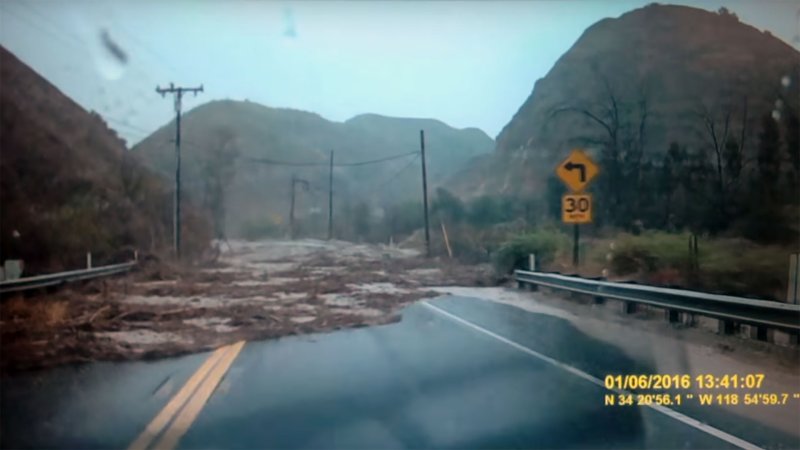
(637, 83)
(67, 184)
(238, 159)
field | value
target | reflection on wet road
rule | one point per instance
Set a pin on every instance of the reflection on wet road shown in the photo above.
(463, 373)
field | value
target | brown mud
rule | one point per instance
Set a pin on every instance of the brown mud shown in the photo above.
(256, 291)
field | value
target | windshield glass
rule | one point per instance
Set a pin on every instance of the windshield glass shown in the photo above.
(420, 224)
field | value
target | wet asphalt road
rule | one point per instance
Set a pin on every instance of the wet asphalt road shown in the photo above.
(428, 381)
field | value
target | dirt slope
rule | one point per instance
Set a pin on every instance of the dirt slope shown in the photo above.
(67, 183)
(679, 62)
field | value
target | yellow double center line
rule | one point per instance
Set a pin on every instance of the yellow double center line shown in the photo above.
(191, 398)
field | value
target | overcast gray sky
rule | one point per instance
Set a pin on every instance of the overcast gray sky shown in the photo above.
(465, 63)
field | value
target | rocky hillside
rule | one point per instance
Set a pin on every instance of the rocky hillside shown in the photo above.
(68, 184)
(637, 83)
(238, 159)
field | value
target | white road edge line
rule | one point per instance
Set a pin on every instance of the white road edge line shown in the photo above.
(694, 423)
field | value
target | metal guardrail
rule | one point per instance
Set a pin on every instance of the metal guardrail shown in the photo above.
(761, 313)
(55, 279)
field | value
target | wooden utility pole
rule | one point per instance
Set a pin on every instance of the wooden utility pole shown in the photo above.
(291, 210)
(425, 194)
(295, 181)
(176, 220)
(330, 200)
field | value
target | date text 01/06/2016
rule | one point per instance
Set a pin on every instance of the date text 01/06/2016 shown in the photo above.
(684, 381)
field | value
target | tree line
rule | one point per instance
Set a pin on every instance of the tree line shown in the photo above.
(737, 178)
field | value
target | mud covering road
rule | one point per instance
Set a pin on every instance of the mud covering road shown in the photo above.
(255, 290)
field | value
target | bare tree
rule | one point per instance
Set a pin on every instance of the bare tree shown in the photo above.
(727, 151)
(623, 124)
(219, 168)
(130, 177)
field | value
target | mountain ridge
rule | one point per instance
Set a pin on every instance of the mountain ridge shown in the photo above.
(682, 61)
(258, 138)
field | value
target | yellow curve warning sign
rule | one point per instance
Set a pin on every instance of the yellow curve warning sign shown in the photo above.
(577, 171)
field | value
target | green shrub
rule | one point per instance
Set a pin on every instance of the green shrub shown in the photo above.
(741, 267)
(545, 243)
(728, 265)
(650, 252)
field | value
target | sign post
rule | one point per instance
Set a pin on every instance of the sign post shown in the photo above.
(793, 293)
(576, 237)
(577, 171)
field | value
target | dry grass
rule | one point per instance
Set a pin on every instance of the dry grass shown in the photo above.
(37, 312)
(15, 307)
(733, 266)
(54, 313)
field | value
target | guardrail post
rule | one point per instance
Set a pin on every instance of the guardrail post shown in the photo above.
(673, 316)
(628, 307)
(726, 326)
(761, 333)
(88, 260)
(793, 292)
(756, 318)
(599, 299)
(526, 285)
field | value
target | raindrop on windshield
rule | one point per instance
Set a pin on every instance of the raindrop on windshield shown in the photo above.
(110, 59)
(288, 17)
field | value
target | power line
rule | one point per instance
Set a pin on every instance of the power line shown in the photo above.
(389, 180)
(134, 134)
(133, 38)
(276, 162)
(55, 25)
(52, 23)
(164, 62)
(177, 92)
(375, 161)
(59, 35)
(120, 129)
(124, 123)
(44, 30)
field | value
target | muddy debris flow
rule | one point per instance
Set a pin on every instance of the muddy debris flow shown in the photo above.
(256, 290)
